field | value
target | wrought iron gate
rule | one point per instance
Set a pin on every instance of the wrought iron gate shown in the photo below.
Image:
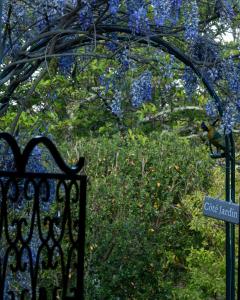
(42, 226)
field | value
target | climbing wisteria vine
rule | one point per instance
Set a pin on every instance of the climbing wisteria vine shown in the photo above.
(126, 32)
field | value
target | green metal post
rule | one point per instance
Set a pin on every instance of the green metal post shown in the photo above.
(228, 228)
(232, 158)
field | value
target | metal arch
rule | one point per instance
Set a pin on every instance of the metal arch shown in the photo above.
(230, 169)
(156, 41)
(229, 187)
(229, 161)
(230, 152)
(31, 234)
(229, 177)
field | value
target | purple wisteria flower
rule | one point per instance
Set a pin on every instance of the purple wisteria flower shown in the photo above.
(212, 74)
(139, 22)
(114, 6)
(232, 73)
(228, 118)
(191, 21)
(211, 109)
(86, 16)
(112, 44)
(225, 9)
(165, 11)
(66, 64)
(112, 79)
(116, 104)
(105, 82)
(204, 49)
(190, 81)
(124, 60)
(238, 105)
(134, 5)
(161, 10)
(141, 89)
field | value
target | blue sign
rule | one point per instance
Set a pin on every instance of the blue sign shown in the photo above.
(220, 209)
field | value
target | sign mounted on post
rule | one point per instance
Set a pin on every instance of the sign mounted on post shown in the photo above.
(222, 210)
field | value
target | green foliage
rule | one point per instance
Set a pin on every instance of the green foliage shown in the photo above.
(142, 237)
(205, 264)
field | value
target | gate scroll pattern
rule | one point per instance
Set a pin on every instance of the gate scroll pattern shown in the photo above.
(42, 226)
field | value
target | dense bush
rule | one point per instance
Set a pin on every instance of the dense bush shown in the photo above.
(143, 241)
(146, 236)
(205, 263)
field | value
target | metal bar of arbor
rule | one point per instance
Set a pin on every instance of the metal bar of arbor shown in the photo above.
(232, 164)
(229, 158)
(230, 170)
(228, 244)
(229, 192)
(230, 228)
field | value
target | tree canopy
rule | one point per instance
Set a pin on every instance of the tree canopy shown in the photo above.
(138, 51)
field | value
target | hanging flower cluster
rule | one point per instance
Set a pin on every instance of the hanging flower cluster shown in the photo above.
(141, 89)
(191, 21)
(114, 6)
(229, 118)
(116, 104)
(165, 11)
(232, 71)
(225, 9)
(66, 64)
(190, 81)
(86, 16)
(211, 109)
(139, 22)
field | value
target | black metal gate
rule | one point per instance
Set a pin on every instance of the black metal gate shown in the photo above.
(42, 226)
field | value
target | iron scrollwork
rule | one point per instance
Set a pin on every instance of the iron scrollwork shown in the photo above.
(42, 227)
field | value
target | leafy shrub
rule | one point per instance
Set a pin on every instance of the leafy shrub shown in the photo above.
(205, 263)
(146, 236)
(140, 244)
